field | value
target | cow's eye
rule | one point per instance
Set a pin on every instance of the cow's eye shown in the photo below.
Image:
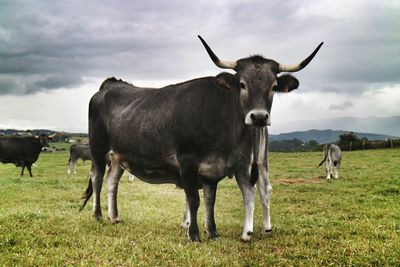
(242, 86)
(275, 88)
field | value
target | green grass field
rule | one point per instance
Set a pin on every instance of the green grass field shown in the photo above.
(352, 221)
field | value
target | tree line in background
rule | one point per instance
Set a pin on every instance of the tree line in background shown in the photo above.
(346, 142)
(59, 137)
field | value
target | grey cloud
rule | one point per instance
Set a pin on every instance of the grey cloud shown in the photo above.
(9, 86)
(54, 44)
(55, 82)
(341, 106)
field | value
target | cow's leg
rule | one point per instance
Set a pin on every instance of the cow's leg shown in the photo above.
(265, 190)
(328, 169)
(74, 165)
(69, 166)
(96, 175)
(113, 176)
(336, 171)
(331, 167)
(29, 167)
(210, 191)
(190, 185)
(248, 194)
(186, 217)
(192, 196)
(22, 168)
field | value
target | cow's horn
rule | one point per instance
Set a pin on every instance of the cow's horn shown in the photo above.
(297, 67)
(215, 59)
(53, 135)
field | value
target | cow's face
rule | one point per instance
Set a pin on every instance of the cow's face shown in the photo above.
(43, 139)
(257, 80)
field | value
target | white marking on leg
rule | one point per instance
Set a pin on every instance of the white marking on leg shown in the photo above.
(336, 172)
(97, 182)
(113, 176)
(328, 169)
(265, 191)
(248, 203)
(186, 217)
(248, 195)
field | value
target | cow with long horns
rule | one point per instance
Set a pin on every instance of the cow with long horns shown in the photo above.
(191, 134)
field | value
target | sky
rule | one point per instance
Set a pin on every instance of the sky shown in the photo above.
(55, 54)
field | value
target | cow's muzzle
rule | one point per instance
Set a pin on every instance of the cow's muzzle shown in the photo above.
(257, 118)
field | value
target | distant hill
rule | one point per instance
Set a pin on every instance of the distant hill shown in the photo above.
(379, 125)
(323, 136)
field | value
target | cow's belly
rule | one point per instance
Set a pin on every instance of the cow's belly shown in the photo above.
(156, 176)
(167, 170)
(214, 168)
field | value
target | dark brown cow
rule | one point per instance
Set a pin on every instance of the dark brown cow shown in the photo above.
(23, 151)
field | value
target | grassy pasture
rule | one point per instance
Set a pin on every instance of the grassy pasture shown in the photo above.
(351, 221)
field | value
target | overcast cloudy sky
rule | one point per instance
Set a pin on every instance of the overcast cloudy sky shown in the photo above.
(55, 54)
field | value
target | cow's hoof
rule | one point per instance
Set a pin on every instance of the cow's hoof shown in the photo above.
(213, 236)
(114, 220)
(266, 231)
(195, 238)
(185, 225)
(246, 237)
(97, 217)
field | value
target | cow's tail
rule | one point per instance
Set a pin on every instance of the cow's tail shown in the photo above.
(88, 193)
(254, 174)
(322, 161)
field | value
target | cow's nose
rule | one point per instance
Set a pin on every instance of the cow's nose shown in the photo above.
(259, 118)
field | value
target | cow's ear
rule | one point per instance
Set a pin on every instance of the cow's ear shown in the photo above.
(226, 81)
(286, 83)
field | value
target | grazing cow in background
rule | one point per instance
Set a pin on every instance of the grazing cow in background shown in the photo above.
(192, 134)
(332, 159)
(78, 152)
(23, 151)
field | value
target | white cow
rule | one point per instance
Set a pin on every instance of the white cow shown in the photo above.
(332, 159)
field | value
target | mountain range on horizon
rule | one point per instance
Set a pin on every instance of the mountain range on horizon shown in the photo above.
(389, 126)
(324, 136)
